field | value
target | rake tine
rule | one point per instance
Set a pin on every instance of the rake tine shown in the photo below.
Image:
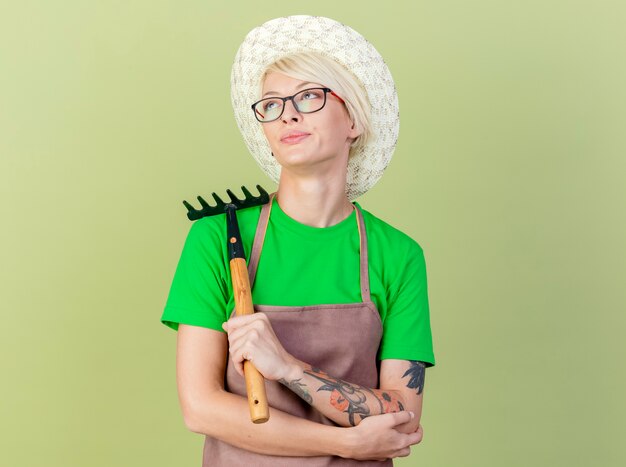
(203, 203)
(233, 199)
(218, 200)
(264, 194)
(247, 194)
(193, 213)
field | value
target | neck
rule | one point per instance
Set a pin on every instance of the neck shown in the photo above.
(314, 203)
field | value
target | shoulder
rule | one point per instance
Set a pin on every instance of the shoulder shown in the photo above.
(206, 230)
(380, 232)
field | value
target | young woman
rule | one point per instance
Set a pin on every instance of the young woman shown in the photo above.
(341, 331)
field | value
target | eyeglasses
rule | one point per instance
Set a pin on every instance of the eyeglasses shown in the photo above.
(306, 101)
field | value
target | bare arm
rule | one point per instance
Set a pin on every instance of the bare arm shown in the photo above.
(208, 409)
(346, 403)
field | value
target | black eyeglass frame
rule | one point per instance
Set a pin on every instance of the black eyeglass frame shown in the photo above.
(290, 98)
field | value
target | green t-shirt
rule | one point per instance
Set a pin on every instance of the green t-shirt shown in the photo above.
(302, 265)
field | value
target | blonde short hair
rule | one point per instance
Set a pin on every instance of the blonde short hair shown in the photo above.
(309, 66)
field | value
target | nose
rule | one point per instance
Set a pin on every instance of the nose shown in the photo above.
(290, 113)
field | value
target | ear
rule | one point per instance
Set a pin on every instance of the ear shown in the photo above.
(353, 133)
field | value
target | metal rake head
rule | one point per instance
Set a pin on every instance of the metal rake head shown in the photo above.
(235, 203)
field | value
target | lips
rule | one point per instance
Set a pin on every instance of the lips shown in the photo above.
(293, 137)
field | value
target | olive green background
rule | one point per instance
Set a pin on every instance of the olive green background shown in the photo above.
(509, 171)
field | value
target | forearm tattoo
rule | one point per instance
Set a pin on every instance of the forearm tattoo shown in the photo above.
(299, 388)
(416, 376)
(346, 397)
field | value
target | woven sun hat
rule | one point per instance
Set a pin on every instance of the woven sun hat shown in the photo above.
(280, 37)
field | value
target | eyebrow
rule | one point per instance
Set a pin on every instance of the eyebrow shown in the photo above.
(301, 85)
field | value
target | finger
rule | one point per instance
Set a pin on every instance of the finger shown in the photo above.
(414, 438)
(236, 321)
(252, 329)
(402, 452)
(237, 362)
(246, 333)
(231, 324)
(245, 344)
(399, 418)
(239, 368)
(240, 351)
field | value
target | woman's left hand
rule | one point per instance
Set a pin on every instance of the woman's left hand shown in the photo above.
(251, 337)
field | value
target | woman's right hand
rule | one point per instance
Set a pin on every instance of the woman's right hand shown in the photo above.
(375, 437)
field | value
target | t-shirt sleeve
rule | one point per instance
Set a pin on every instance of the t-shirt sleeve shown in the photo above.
(198, 294)
(406, 329)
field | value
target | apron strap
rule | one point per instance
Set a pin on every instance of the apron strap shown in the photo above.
(365, 277)
(259, 237)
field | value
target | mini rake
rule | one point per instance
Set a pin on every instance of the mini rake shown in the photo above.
(255, 384)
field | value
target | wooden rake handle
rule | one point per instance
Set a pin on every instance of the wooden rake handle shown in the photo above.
(255, 383)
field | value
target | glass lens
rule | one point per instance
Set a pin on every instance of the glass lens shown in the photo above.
(310, 100)
(269, 109)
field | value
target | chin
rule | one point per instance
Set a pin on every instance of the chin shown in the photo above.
(298, 156)
(292, 157)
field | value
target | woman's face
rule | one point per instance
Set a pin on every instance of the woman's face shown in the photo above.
(298, 139)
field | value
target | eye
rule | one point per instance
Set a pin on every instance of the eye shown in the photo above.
(312, 94)
(272, 104)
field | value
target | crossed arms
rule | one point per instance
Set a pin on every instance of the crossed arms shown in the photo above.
(379, 422)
